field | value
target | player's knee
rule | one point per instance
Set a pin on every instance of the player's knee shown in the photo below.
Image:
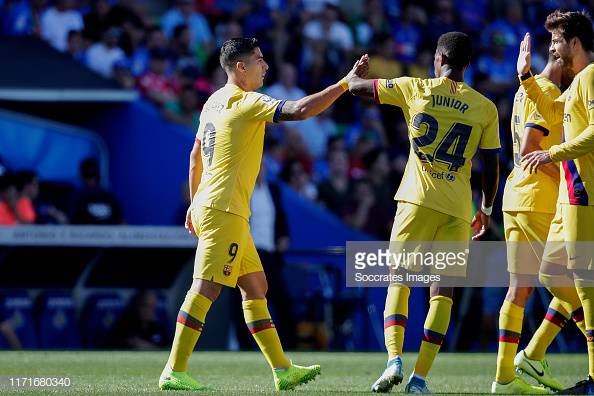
(208, 289)
(519, 295)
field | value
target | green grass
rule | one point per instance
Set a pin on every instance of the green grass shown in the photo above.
(242, 373)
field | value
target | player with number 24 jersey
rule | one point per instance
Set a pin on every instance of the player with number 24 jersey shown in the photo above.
(447, 122)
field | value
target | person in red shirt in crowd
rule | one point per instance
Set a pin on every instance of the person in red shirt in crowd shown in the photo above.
(155, 84)
(27, 187)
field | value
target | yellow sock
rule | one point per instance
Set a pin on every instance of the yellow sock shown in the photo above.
(585, 291)
(188, 327)
(395, 315)
(436, 325)
(262, 328)
(554, 320)
(510, 329)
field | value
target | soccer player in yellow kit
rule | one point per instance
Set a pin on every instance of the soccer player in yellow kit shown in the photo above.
(448, 122)
(224, 165)
(571, 42)
(529, 202)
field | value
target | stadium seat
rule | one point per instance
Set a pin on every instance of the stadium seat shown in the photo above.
(99, 314)
(57, 321)
(17, 306)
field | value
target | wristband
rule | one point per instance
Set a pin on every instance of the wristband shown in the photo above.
(344, 84)
(526, 76)
(486, 210)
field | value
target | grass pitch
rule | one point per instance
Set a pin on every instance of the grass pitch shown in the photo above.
(242, 373)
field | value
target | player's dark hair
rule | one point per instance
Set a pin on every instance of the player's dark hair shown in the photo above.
(457, 47)
(572, 24)
(235, 49)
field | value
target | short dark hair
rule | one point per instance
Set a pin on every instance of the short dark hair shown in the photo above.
(572, 24)
(457, 47)
(233, 50)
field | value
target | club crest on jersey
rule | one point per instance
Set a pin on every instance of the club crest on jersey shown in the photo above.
(389, 83)
(266, 98)
(227, 270)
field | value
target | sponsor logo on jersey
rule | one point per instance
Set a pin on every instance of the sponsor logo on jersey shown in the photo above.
(227, 270)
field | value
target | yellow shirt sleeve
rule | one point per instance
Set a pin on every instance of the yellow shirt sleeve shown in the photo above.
(584, 143)
(395, 91)
(535, 120)
(551, 110)
(260, 107)
(490, 136)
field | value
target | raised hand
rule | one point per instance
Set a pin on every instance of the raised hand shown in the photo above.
(360, 69)
(523, 65)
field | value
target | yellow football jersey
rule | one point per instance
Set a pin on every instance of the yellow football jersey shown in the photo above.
(231, 130)
(525, 191)
(448, 122)
(576, 108)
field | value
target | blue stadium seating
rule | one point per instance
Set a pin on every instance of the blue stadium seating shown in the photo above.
(99, 314)
(17, 307)
(57, 321)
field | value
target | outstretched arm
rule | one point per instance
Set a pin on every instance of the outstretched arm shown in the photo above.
(314, 104)
(551, 110)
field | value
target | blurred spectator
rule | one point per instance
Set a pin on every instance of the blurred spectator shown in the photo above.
(365, 213)
(183, 110)
(506, 32)
(269, 228)
(379, 174)
(443, 20)
(371, 127)
(76, 46)
(286, 89)
(102, 56)
(8, 200)
(497, 68)
(296, 177)
(179, 46)
(123, 75)
(140, 58)
(155, 84)
(408, 35)
(335, 191)
(58, 20)
(184, 13)
(96, 22)
(92, 204)
(21, 17)
(328, 43)
(375, 24)
(27, 186)
(382, 63)
(137, 328)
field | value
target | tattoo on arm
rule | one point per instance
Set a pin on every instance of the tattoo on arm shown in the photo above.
(289, 112)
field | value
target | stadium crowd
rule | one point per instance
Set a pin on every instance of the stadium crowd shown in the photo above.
(349, 159)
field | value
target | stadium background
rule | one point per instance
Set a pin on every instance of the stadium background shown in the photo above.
(122, 82)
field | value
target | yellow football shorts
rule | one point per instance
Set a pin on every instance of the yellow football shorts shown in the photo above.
(225, 249)
(526, 235)
(570, 237)
(414, 223)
